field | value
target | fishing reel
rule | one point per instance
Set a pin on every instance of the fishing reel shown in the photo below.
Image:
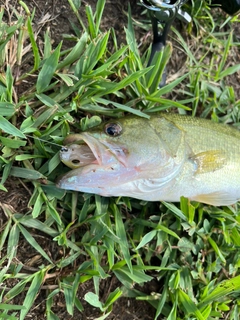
(164, 12)
(168, 9)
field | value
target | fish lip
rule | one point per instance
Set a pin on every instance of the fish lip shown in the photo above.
(106, 153)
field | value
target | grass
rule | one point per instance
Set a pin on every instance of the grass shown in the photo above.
(192, 250)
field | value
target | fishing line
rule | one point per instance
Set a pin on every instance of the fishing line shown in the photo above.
(55, 144)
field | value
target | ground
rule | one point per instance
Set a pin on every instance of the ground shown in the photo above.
(58, 17)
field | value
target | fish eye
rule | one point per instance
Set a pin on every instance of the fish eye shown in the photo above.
(113, 129)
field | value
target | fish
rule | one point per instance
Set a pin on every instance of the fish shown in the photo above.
(158, 159)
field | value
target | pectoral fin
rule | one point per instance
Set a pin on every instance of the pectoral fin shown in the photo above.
(218, 198)
(209, 161)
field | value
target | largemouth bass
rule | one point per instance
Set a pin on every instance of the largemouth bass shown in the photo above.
(163, 158)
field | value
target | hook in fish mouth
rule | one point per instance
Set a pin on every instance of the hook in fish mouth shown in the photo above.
(77, 155)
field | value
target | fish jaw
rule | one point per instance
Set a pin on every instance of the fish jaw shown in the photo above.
(98, 179)
(107, 166)
(103, 152)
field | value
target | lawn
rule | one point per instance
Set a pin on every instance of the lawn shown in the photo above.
(84, 253)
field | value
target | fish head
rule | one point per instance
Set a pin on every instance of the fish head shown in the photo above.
(118, 152)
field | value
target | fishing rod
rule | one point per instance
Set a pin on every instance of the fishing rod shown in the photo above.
(166, 11)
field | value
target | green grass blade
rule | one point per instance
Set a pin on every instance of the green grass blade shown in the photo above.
(12, 143)
(6, 172)
(29, 222)
(35, 50)
(93, 300)
(32, 293)
(5, 234)
(7, 127)
(8, 317)
(75, 53)
(47, 45)
(34, 243)
(224, 56)
(9, 83)
(189, 305)
(127, 80)
(121, 233)
(26, 173)
(169, 87)
(53, 213)
(48, 69)
(222, 290)
(98, 14)
(7, 109)
(124, 108)
(5, 306)
(162, 300)
(130, 35)
(91, 23)
(147, 238)
(45, 117)
(113, 296)
(175, 210)
(68, 295)
(13, 241)
(159, 62)
(217, 250)
(229, 71)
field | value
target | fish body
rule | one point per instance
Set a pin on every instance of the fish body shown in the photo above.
(163, 158)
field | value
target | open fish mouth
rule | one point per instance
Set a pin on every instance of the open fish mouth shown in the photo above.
(85, 150)
(77, 155)
(98, 165)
